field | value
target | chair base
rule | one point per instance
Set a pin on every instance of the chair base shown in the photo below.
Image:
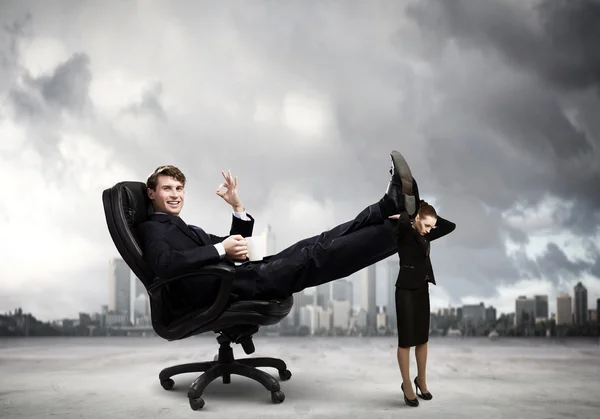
(225, 366)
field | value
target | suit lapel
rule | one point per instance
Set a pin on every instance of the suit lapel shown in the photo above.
(180, 224)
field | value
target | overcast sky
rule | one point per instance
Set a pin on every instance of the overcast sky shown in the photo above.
(495, 105)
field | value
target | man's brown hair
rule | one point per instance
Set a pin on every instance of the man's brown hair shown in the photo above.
(426, 210)
(168, 170)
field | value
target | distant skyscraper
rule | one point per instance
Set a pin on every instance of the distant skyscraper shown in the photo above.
(314, 318)
(361, 319)
(473, 312)
(564, 313)
(142, 306)
(382, 320)
(524, 311)
(341, 313)
(541, 306)
(325, 319)
(368, 288)
(343, 290)
(490, 314)
(301, 299)
(581, 310)
(139, 288)
(393, 267)
(119, 287)
(324, 293)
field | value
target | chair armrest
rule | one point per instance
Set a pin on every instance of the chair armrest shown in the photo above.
(226, 272)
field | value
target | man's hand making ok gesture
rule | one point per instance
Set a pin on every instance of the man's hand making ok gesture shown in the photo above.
(230, 194)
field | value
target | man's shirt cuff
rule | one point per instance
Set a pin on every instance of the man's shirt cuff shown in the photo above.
(221, 249)
(241, 215)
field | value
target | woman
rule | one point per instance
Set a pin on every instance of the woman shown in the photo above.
(412, 293)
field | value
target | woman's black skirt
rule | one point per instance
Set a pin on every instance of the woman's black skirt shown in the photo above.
(412, 315)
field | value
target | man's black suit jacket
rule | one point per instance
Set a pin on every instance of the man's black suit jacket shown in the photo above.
(413, 250)
(171, 247)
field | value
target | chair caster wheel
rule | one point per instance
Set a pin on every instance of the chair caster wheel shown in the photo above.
(197, 404)
(167, 384)
(277, 396)
(285, 375)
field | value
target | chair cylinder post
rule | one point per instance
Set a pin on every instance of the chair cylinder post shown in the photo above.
(225, 353)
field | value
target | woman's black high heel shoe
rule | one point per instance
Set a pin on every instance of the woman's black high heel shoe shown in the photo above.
(424, 396)
(413, 403)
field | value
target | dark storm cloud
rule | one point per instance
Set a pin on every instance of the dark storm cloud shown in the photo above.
(38, 101)
(527, 267)
(595, 268)
(515, 116)
(553, 264)
(25, 104)
(10, 35)
(561, 45)
(12, 32)
(503, 134)
(528, 110)
(65, 87)
(572, 33)
(68, 85)
(472, 260)
(150, 102)
(511, 140)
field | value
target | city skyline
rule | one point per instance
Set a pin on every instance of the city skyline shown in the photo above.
(127, 298)
(379, 273)
(327, 312)
(502, 143)
(121, 294)
(333, 309)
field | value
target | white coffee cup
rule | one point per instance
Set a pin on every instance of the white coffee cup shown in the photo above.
(256, 248)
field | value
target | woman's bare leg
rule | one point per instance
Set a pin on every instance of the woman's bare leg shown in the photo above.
(421, 356)
(404, 364)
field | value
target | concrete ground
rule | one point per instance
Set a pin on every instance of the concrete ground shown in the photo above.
(332, 378)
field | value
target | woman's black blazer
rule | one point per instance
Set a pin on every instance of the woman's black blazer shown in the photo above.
(413, 250)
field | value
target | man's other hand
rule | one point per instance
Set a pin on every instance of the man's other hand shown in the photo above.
(403, 216)
(235, 247)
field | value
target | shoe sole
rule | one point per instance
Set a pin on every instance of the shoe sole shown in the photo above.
(401, 167)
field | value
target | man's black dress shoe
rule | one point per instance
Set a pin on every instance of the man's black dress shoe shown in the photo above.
(401, 189)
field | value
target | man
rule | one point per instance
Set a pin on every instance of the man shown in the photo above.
(172, 247)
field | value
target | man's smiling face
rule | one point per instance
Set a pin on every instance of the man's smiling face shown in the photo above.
(168, 196)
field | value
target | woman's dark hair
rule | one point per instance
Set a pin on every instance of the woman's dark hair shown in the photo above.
(426, 210)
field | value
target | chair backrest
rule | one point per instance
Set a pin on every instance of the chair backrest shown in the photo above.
(126, 205)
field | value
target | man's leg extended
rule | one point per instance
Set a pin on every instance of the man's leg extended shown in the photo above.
(371, 215)
(341, 251)
(334, 254)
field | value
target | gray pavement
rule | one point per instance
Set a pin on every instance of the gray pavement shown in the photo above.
(332, 378)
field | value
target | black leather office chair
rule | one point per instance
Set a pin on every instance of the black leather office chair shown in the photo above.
(126, 205)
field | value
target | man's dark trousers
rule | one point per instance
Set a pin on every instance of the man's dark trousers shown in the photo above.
(332, 255)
